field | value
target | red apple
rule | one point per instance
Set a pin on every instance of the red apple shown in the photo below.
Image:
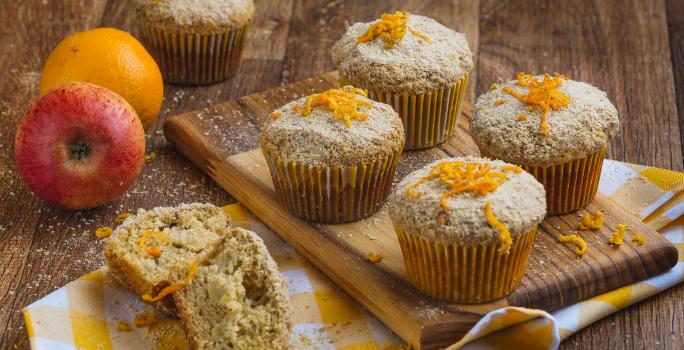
(80, 146)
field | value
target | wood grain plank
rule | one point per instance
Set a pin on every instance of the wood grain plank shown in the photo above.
(655, 323)
(23, 24)
(63, 246)
(340, 250)
(621, 47)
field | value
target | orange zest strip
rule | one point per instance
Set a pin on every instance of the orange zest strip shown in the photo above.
(504, 234)
(581, 248)
(499, 102)
(391, 28)
(103, 232)
(276, 115)
(476, 178)
(591, 222)
(542, 95)
(154, 251)
(639, 239)
(122, 217)
(422, 36)
(512, 169)
(341, 102)
(144, 319)
(174, 287)
(375, 257)
(493, 86)
(149, 158)
(618, 236)
(522, 117)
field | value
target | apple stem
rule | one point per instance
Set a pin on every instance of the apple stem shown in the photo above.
(79, 150)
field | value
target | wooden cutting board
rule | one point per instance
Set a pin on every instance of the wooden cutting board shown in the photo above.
(223, 141)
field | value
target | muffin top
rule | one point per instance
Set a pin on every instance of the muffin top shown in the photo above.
(402, 53)
(339, 127)
(468, 201)
(508, 121)
(200, 15)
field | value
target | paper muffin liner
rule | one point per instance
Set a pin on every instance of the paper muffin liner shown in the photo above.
(464, 274)
(569, 186)
(429, 119)
(332, 195)
(194, 58)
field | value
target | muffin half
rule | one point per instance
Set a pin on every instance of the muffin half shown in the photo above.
(555, 128)
(412, 63)
(333, 155)
(466, 227)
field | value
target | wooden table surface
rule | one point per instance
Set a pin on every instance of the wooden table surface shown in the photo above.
(633, 49)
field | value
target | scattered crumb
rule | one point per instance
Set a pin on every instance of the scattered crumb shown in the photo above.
(494, 86)
(123, 326)
(144, 319)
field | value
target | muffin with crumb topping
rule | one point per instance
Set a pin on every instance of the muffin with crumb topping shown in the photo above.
(555, 128)
(195, 41)
(412, 63)
(333, 155)
(466, 226)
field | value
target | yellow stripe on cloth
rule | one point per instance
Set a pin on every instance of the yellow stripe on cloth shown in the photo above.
(668, 180)
(90, 333)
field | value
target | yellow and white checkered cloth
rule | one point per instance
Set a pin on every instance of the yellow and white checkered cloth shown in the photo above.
(93, 311)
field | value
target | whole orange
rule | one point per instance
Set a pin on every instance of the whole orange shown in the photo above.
(112, 59)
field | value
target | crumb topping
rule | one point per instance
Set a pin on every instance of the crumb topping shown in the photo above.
(174, 287)
(543, 94)
(342, 103)
(591, 222)
(449, 201)
(581, 248)
(201, 15)
(431, 57)
(370, 131)
(583, 127)
(391, 28)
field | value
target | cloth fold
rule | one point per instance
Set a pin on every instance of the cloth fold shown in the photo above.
(94, 312)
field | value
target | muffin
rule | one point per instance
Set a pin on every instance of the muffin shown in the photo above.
(333, 155)
(555, 128)
(466, 227)
(412, 63)
(195, 41)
